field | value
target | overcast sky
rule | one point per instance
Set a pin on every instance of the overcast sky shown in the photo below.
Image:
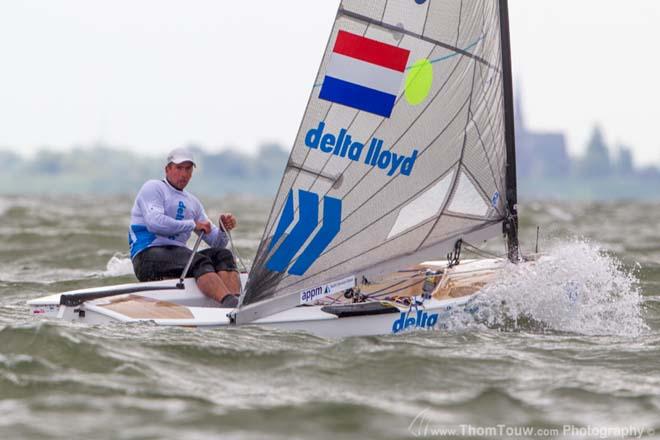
(153, 74)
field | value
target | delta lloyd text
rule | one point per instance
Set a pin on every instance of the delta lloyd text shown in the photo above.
(343, 145)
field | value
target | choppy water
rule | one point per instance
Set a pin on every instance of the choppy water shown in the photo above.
(533, 357)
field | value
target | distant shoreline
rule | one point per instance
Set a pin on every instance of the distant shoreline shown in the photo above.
(106, 171)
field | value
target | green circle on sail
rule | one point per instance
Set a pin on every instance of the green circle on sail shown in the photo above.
(419, 81)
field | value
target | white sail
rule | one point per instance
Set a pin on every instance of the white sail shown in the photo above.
(402, 150)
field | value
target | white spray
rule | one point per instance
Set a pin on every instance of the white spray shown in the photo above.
(577, 287)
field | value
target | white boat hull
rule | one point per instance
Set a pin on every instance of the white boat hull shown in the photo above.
(188, 307)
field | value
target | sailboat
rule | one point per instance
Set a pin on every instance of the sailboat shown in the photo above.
(405, 155)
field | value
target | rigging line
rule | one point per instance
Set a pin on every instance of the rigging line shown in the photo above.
(268, 230)
(483, 15)
(392, 292)
(364, 18)
(469, 217)
(460, 160)
(382, 16)
(481, 252)
(458, 28)
(288, 287)
(452, 55)
(394, 285)
(233, 248)
(426, 16)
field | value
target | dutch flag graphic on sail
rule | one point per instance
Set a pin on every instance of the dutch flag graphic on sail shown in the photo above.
(364, 74)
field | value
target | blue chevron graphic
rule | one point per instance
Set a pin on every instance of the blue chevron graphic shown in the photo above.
(330, 228)
(308, 220)
(285, 220)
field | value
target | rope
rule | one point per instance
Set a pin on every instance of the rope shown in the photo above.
(482, 253)
(454, 258)
(394, 288)
(231, 244)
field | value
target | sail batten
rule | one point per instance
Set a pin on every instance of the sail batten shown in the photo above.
(395, 28)
(401, 151)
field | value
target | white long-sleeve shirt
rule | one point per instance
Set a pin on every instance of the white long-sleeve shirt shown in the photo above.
(164, 216)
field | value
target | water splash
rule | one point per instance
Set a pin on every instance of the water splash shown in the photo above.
(577, 287)
(118, 265)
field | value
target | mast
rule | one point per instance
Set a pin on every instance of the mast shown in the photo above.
(511, 222)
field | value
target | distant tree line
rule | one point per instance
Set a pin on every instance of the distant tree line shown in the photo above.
(545, 170)
(107, 170)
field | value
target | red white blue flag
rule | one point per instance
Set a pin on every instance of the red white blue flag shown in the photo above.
(364, 74)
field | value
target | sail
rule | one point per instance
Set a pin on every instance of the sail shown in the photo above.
(402, 150)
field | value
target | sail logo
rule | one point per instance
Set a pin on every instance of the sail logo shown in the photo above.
(495, 199)
(343, 145)
(422, 320)
(310, 295)
(308, 220)
(364, 74)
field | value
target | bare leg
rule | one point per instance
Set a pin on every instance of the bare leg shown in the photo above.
(232, 280)
(212, 286)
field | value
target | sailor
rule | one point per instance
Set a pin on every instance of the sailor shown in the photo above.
(162, 219)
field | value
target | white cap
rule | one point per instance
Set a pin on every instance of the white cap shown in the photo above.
(180, 155)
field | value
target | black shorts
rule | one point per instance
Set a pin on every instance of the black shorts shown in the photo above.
(163, 262)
